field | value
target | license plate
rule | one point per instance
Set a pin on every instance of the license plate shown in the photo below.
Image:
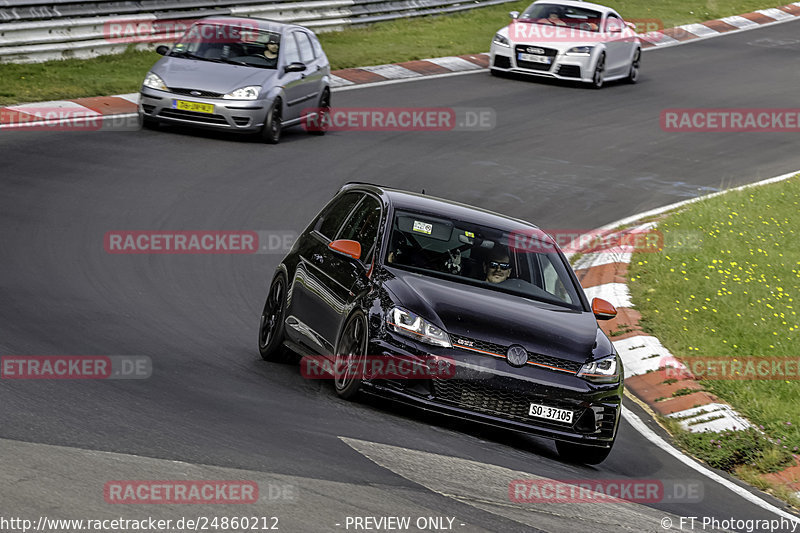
(533, 58)
(550, 413)
(197, 107)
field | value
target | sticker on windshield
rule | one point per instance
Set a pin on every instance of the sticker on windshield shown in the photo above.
(423, 227)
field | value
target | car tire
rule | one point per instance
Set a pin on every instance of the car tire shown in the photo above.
(324, 118)
(351, 349)
(599, 69)
(271, 132)
(633, 75)
(148, 122)
(271, 328)
(581, 453)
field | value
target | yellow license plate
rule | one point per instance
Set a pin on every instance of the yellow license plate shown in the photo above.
(197, 107)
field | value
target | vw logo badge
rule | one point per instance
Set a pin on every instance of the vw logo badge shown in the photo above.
(517, 356)
(195, 93)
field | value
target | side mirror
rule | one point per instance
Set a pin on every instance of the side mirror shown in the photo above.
(162, 49)
(350, 248)
(615, 29)
(513, 14)
(603, 310)
(631, 25)
(295, 67)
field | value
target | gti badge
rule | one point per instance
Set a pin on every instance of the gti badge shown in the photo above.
(532, 50)
(517, 356)
(465, 343)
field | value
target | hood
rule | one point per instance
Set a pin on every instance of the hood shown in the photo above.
(494, 316)
(220, 78)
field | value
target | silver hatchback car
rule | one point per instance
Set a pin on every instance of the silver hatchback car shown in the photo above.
(240, 74)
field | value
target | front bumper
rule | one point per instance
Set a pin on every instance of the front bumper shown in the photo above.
(235, 115)
(490, 391)
(563, 67)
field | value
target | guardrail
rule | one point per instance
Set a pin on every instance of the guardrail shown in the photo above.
(34, 31)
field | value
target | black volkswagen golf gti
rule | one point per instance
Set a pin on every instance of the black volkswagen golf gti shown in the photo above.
(384, 273)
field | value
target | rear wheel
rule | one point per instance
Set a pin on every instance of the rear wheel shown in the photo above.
(351, 351)
(633, 75)
(324, 117)
(271, 132)
(581, 453)
(270, 331)
(599, 72)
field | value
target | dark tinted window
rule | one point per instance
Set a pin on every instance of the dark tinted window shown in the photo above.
(336, 213)
(363, 226)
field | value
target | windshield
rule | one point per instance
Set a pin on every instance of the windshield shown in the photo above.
(523, 262)
(220, 43)
(560, 15)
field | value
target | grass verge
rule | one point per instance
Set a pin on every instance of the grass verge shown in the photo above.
(745, 454)
(725, 288)
(389, 42)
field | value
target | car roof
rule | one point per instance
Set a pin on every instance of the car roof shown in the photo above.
(577, 3)
(412, 201)
(263, 24)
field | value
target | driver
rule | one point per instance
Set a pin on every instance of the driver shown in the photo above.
(497, 266)
(555, 18)
(271, 51)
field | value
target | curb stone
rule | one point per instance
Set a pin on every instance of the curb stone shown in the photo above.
(604, 274)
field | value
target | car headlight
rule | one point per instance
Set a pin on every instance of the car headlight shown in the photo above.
(580, 51)
(605, 370)
(500, 40)
(407, 323)
(154, 82)
(244, 93)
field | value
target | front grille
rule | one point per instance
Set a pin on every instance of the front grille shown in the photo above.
(475, 345)
(502, 61)
(476, 396)
(541, 359)
(569, 71)
(188, 92)
(524, 48)
(193, 116)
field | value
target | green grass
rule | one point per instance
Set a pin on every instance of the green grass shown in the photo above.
(733, 294)
(389, 42)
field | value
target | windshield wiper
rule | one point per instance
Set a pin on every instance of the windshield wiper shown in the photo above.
(190, 55)
(183, 53)
(234, 62)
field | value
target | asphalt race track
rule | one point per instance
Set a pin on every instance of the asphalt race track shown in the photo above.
(560, 156)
